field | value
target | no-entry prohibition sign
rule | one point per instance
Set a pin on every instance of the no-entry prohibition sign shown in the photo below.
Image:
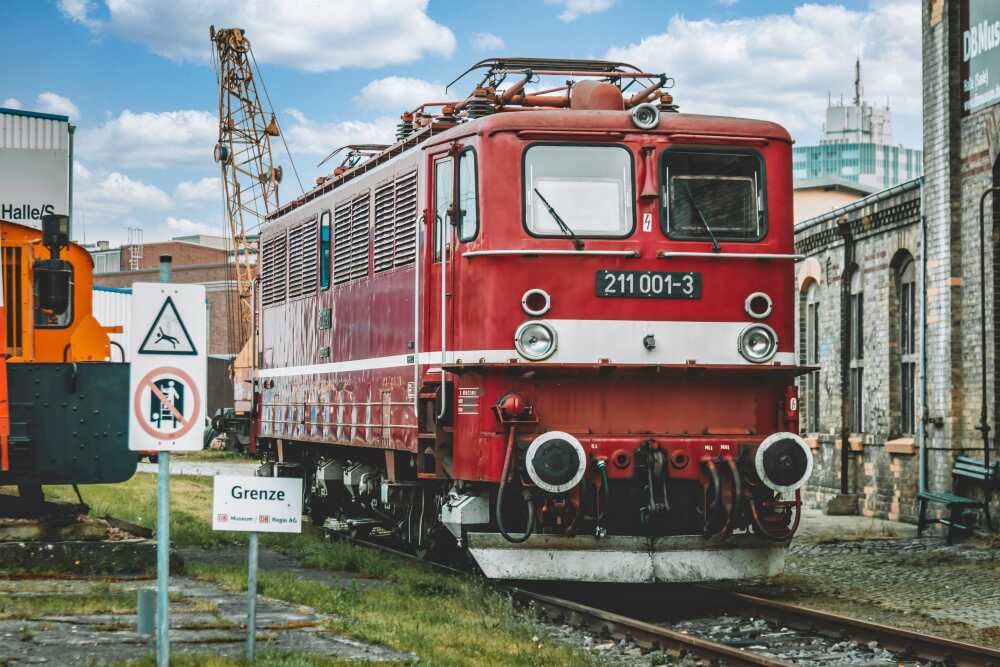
(166, 403)
(168, 343)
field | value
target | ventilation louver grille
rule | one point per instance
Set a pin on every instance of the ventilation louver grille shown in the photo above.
(406, 219)
(303, 261)
(385, 226)
(360, 221)
(350, 240)
(273, 271)
(342, 243)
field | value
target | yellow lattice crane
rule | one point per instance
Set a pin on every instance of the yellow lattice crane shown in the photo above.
(250, 188)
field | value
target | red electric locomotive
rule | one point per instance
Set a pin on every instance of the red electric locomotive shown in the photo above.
(553, 328)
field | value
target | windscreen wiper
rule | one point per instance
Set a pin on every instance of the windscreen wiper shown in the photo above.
(704, 223)
(577, 241)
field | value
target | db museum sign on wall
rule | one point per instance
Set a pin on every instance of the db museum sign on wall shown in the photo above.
(34, 166)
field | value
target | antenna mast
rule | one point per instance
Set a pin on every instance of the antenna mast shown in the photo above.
(249, 177)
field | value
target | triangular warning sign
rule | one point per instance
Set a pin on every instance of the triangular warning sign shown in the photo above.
(168, 335)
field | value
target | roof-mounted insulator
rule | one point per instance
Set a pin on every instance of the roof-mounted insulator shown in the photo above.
(667, 103)
(405, 126)
(481, 103)
(448, 114)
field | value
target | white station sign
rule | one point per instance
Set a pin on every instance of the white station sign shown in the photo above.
(257, 504)
(167, 384)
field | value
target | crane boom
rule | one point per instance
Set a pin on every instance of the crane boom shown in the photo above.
(250, 182)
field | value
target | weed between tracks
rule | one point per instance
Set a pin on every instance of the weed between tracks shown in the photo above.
(443, 619)
(266, 659)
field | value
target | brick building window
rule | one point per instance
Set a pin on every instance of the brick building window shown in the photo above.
(812, 357)
(907, 346)
(857, 352)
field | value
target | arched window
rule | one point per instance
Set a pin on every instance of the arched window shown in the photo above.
(907, 332)
(811, 331)
(857, 351)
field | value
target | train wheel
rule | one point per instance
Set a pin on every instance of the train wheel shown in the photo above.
(360, 532)
(319, 511)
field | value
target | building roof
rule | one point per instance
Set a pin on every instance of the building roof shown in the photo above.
(34, 114)
(833, 183)
(861, 203)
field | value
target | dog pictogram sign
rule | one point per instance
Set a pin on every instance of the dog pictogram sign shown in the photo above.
(168, 373)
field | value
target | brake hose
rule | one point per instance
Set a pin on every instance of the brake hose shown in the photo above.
(530, 528)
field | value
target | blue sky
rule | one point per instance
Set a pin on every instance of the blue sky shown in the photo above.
(134, 75)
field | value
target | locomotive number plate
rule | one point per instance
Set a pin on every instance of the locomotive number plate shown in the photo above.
(649, 284)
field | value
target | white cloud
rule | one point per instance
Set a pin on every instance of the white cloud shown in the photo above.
(487, 41)
(781, 66)
(574, 9)
(314, 138)
(312, 36)
(49, 102)
(398, 94)
(727, 3)
(185, 227)
(114, 194)
(79, 11)
(151, 139)
(206, 190)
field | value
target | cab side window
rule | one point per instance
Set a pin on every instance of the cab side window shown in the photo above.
(468, 196)
(54, 297)
(324, 250)
(443, 189)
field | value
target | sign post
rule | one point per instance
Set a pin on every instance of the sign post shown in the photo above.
(167, 379)
(255, 505)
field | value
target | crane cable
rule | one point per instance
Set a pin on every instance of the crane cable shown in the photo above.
(263, 84)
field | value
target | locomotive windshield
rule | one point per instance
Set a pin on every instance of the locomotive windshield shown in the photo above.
(590, 188)
(712, 196)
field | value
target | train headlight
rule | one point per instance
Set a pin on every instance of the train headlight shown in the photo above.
(758, 343)
(646, 116)
(555, 461)
(535, 340)
(758, 305)
(784, 462)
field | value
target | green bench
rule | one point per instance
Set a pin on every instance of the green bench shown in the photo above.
(972, 472)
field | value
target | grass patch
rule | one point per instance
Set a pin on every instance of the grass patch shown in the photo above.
(265, 659)
(216, 455)
(445, 620)
(100, 598)
(135, 501)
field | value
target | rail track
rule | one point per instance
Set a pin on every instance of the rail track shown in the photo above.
(908, 647)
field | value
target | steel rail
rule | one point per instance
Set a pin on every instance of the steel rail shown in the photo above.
(905, 642)
(647, 635)
(644, 634)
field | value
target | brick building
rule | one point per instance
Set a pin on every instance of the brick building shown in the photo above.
(916, 268)
(199, 260)
(882, 388)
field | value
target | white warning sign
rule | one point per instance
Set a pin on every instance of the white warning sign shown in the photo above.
(168, 334)
(168, 372)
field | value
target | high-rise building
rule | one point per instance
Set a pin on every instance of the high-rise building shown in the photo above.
(857, 146)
